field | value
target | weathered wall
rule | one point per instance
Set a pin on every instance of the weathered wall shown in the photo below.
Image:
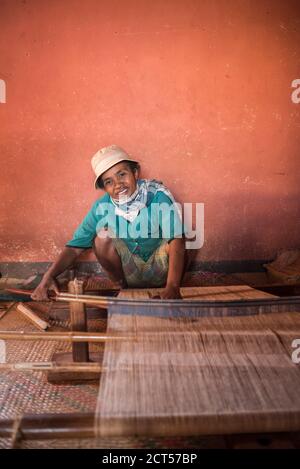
(199, 91)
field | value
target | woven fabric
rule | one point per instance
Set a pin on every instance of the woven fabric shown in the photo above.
(200, 375)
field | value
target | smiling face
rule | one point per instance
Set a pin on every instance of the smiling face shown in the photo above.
(120, 181)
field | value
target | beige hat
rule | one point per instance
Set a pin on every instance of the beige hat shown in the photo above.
(106, 158)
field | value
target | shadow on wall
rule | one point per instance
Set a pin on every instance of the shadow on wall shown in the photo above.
(249, 226)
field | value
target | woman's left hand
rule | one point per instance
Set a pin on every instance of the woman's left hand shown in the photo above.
(171, 293)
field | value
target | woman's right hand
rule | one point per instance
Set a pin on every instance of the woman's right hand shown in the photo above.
(41, 293)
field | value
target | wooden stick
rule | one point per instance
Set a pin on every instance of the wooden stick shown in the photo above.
(43, 426)
(99, 337)
(97, 299)
(108, 301)
(52, 366)
(52, 294)
(32, 316)
(64, 336)
(82, 425)
(105, 301)
(80, 351)
(10, 307)
(18, 291)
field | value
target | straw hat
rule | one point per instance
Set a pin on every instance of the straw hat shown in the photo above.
(107, 157)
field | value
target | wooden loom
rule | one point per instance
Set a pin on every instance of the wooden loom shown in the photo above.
(207, 365)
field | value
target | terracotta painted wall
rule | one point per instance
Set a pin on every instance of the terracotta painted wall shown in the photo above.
(198, 90)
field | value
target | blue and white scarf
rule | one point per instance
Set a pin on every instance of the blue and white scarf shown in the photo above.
(129, 207)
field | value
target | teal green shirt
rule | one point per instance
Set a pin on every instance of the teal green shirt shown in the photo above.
(157, 221)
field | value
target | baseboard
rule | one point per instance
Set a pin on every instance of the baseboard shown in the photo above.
(25, 269)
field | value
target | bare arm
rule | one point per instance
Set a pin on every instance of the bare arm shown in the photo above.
(176, 266)
(63, 262)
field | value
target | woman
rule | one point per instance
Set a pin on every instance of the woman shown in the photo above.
(135, 230)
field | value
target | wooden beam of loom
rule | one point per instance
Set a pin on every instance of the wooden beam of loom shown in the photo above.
(215, 298)
(140, 296)
(218, 380)
(82, 425)
(64, 336)
(49, 426)
(80, 350)
(52, 366)
(207, 301)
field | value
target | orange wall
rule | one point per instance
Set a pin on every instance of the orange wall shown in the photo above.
(198, 90)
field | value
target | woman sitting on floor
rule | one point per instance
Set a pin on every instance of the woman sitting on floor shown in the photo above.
(135, 230)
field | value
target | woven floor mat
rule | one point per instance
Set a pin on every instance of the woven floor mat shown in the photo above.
(29, 392)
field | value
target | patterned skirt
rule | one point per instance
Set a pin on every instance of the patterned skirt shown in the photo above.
(143, 274)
